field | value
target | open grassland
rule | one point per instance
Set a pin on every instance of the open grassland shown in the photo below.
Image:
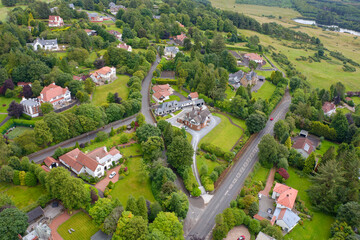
(265, 92)
(320, 75)
(319, 227)
(136, 183)
(224, 135)
(82, 224)
(24, 197)
(119, 86)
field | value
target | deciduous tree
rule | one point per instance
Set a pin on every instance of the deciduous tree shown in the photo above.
(12, 223)
(15, 109)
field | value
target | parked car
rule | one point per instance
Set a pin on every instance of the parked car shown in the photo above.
(242, 237)
(271, 119)
(269, 210)
(112, 174)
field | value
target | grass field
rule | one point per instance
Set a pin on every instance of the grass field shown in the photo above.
(119, 86)
(265, 92)
(356, 100)
(2, 117)
(319, 227)
(223, 135)
(82, 224)
(114, 140)
(173, 98)
(137, 183)
(201, 160)
(6, 101)
(23, 196)
(260, 175)
(134, 149)
(325, 145)
(17, 131)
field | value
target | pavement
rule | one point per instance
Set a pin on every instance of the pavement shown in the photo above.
(5, 120)
(103, 183)
(201, 223)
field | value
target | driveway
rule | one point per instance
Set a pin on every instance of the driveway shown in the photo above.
(269, 183)
(103, 183)
(238, 231)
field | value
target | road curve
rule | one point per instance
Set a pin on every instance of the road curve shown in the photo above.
(235, 179)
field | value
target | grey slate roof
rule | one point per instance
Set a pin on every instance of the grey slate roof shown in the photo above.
(29, 102)
(250, 75)
(44, 42)
(174, 105)
(35, 214)
(290, 218)
(92, 14)
(173, 50)
(71, 5)
(100, 235)
(197, 115)
(111, 4)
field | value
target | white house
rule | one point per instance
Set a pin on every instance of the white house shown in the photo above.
(329, 108)
(124, 46)
(55, 95)
(55, 21)
(254, 57)
(103, 74)
(105, 158)
(171, 52)
(51, 45)
(31, 106)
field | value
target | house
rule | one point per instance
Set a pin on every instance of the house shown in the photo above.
(254, 57)
(113, 8)
(193, 96)
(31, 106)
(118, 35)
(162, 92)
(55, 21)
(22, 84)
(90, 32)
(55, 95)
(173, 106)
(196, 119)
(51, 45)
(71, 5)
(51, 163)
(179, 39)
(241, 78)
(180, 24)
(348, 99)
(263, 236)
(35, 214)
(93, 163)
(286, 219)
(41, 232)
(94, 17)
(54, 9)
(103, 75)
(329, 108)
(304, 146)
(171, 52)
(156, 17)
(77, 78)
(125, 46)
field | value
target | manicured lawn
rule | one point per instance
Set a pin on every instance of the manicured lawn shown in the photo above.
(119, 86)
(173, 98)
(265, 91)
(201, 160)
(356, 100)
(7, 101)
(223, 135)
(82, 224)
(238, 121)
(2, 117)
(137, 183)
(260, 174)
(110, 142)
(18, 131)
(60, 55)
(133, 150)
(319, 226)
(325, 145)
(24, 197)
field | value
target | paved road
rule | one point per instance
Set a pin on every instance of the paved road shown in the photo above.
(145, 107)
(232, 184)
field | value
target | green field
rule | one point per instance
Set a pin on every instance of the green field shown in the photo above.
(2, 117)
(224, 135)
(265, 92)
(137, 183)
(18, 131)
(325, 145)
(82, 224)
(319, 227)
(111, 141)
(24, 197)
(173, 98)
(6, 101)
(119, 86)
(133, 150)
(201, 160)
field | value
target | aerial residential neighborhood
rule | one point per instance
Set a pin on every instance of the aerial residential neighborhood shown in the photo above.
(196, 120)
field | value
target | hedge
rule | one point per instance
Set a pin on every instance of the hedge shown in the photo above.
(211, 148)
(165, 81)
(16, 122)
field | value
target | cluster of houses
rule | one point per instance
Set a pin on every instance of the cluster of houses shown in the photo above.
(113, 8)
(241, 78)
(173, 106)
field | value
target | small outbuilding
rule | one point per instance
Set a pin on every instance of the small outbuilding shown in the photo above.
(35, 214)
(303, 133)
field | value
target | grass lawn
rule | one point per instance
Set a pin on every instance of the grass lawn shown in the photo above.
(173, 98)
(356, 100)
(176, 88)
(201, 160)
(17, 131)
(24, 197)
(2, 117)
(229, 93)
(223, 135)
(265, 91)
(119, 86)
(60, 55)
(260, 174)
(238, 121)
(319, 226)
(265, 74)
(6, 101)
(114, 140)
(134, 149)
(325, 145)
(137, 183)
(82, 224)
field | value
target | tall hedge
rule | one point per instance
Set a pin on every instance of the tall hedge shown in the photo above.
(16, 178)
(30, 179)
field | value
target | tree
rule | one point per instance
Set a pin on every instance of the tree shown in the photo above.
(14, 162)
(328, 155)
(5, 200)
(15, 109)
(256, 122)
(8, 84)
(130, 227)
(288, 143)
(217, 44)
(101, 210)
(30, 179)
(140, 119)
(12, 223)
(74, 195)
(46, 108)
(187, 44)
(79, 55)
(253, 65)
(42, 133)
(6, 174)
(168, 134)
(168, 224)
(110, 222)
(146, 131)
(155, 209)
(142, 210)
(309, 163)
(152, 148)
(280, 128)
(221, 229)
(268, 150)
(58, 125)
(36, 88)
(178, 203)
(89, 85)
(180, 153)
(341, 126)
(27, 92)
(150, 56)
(349, 213)
(131, 205)
(253, 209)
(99, 63)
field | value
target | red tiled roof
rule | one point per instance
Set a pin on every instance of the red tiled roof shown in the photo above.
(23, 83)
(158, 95)
(123, 46)
(328, 106)
(258, 217)
(194, 95)
(52, 18)
(52, 91)
(287, 195)
(77, 78)
(98, 152)
(49, 160)
(181, 37)
(282, 213)
(348, 99)
(253, 56)
(273, 220)
(114, 151)
(77, 159)
(304, 144)
(87, 161)
(46, 169)
(88, 30)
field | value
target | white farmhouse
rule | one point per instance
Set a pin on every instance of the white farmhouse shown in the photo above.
(103, 74)
(55, 95)
(51, 45)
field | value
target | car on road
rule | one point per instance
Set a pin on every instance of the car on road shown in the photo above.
(271, 119)
(269, 210)
(242, 237)
(112, 174)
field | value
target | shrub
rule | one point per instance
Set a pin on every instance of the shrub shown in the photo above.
(214, 176)
(101, 136)
(16, 179)
(279, 178)
(30, 179)
(196, 192)
(44, 199)
(124, 139)
(165, 81)
(283, 173)
(22, 178)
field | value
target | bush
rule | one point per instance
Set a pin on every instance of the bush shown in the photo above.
(124, 139)
(196, 192)
(16, 179)
(214, 176)
(30, 179)
(101, 136)
(44, 199)
(279, 178)
(165, 81)
(283, 173)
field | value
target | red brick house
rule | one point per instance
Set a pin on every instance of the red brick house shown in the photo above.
(196, 119)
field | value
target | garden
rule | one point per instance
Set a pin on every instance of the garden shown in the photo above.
(118, 86)
(5, 102)
(82, 224)
(265, 92)
(17, 131)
